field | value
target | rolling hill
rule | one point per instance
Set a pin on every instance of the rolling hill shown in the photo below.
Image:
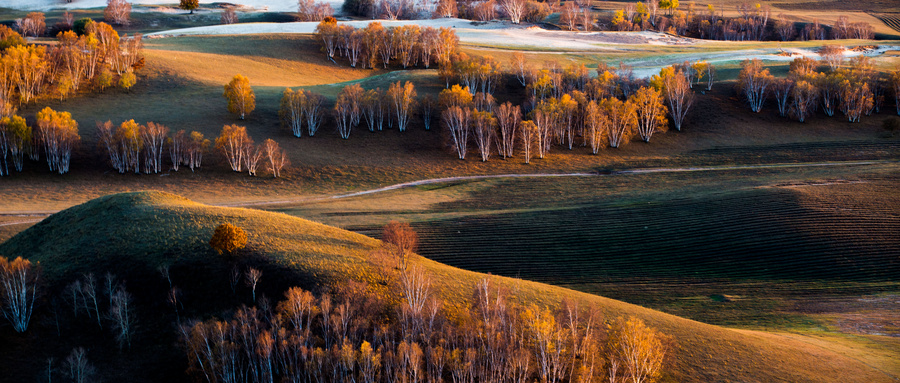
(133, 234)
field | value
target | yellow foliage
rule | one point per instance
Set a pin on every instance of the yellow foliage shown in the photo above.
(228, 238)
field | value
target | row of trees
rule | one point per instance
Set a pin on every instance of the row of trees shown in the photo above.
(407, 45)
(856, 89)
(480, 10)
(98, 58)
(359, 336)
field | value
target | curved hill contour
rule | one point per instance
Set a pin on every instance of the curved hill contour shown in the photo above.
(135, 233)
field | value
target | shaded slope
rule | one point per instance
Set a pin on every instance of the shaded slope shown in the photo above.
(135, 233)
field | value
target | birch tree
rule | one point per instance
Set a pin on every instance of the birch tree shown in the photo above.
(275, 156)
(781, 88)
(402, 99)
(240, 96)
(514, 9)
(313, 110)
(597, 122)
(18, 136)
(233, 141)
(347, 110)
(484, 124)
(177, 153)
(677, 91)
(639, 350)
(291, 111)
(154, 138)
(457, 121)
(19, 285)
(122, 317)
(252, 156)
(621, 119)
(650, 112)
(195, 149)
(803, 99)
(402, 240)
(529, 139)
(754, 81)
(58, 134)
(508, 119)
(117, 12)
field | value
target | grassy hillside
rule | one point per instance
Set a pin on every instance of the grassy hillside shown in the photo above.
(132, 234)
(791, 247)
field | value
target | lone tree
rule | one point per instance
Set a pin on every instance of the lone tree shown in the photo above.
(403, 240)
(241, 100)
(189, 5)
(228, 238)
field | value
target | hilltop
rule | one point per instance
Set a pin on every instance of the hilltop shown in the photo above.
(133, 234)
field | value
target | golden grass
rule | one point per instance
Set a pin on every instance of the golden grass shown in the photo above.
(292, 60)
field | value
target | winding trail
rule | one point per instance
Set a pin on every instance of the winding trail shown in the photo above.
(544, 175)
(431, 181)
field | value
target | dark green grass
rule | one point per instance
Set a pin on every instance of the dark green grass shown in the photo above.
(764, 234)
(671, 241)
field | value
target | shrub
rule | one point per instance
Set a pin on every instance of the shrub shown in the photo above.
(228, 238)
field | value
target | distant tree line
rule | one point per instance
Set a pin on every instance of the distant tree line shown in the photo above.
(753, 21)
(374, 45)
(855, 87)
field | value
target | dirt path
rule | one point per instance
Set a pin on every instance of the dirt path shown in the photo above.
(432, 181)
(542, 175)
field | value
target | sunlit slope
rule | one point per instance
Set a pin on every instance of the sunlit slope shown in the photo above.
(137, 232)
(267, 60)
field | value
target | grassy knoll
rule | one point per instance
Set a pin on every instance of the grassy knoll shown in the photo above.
(132, 234)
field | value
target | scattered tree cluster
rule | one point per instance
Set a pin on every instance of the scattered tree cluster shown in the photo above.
(130, 145)
(55, 134)
(854, 87)
(299, 108)
(242, 154)
(97, 59)
(407, 45)
(375, 106)
(565, 107)
(354, 335)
